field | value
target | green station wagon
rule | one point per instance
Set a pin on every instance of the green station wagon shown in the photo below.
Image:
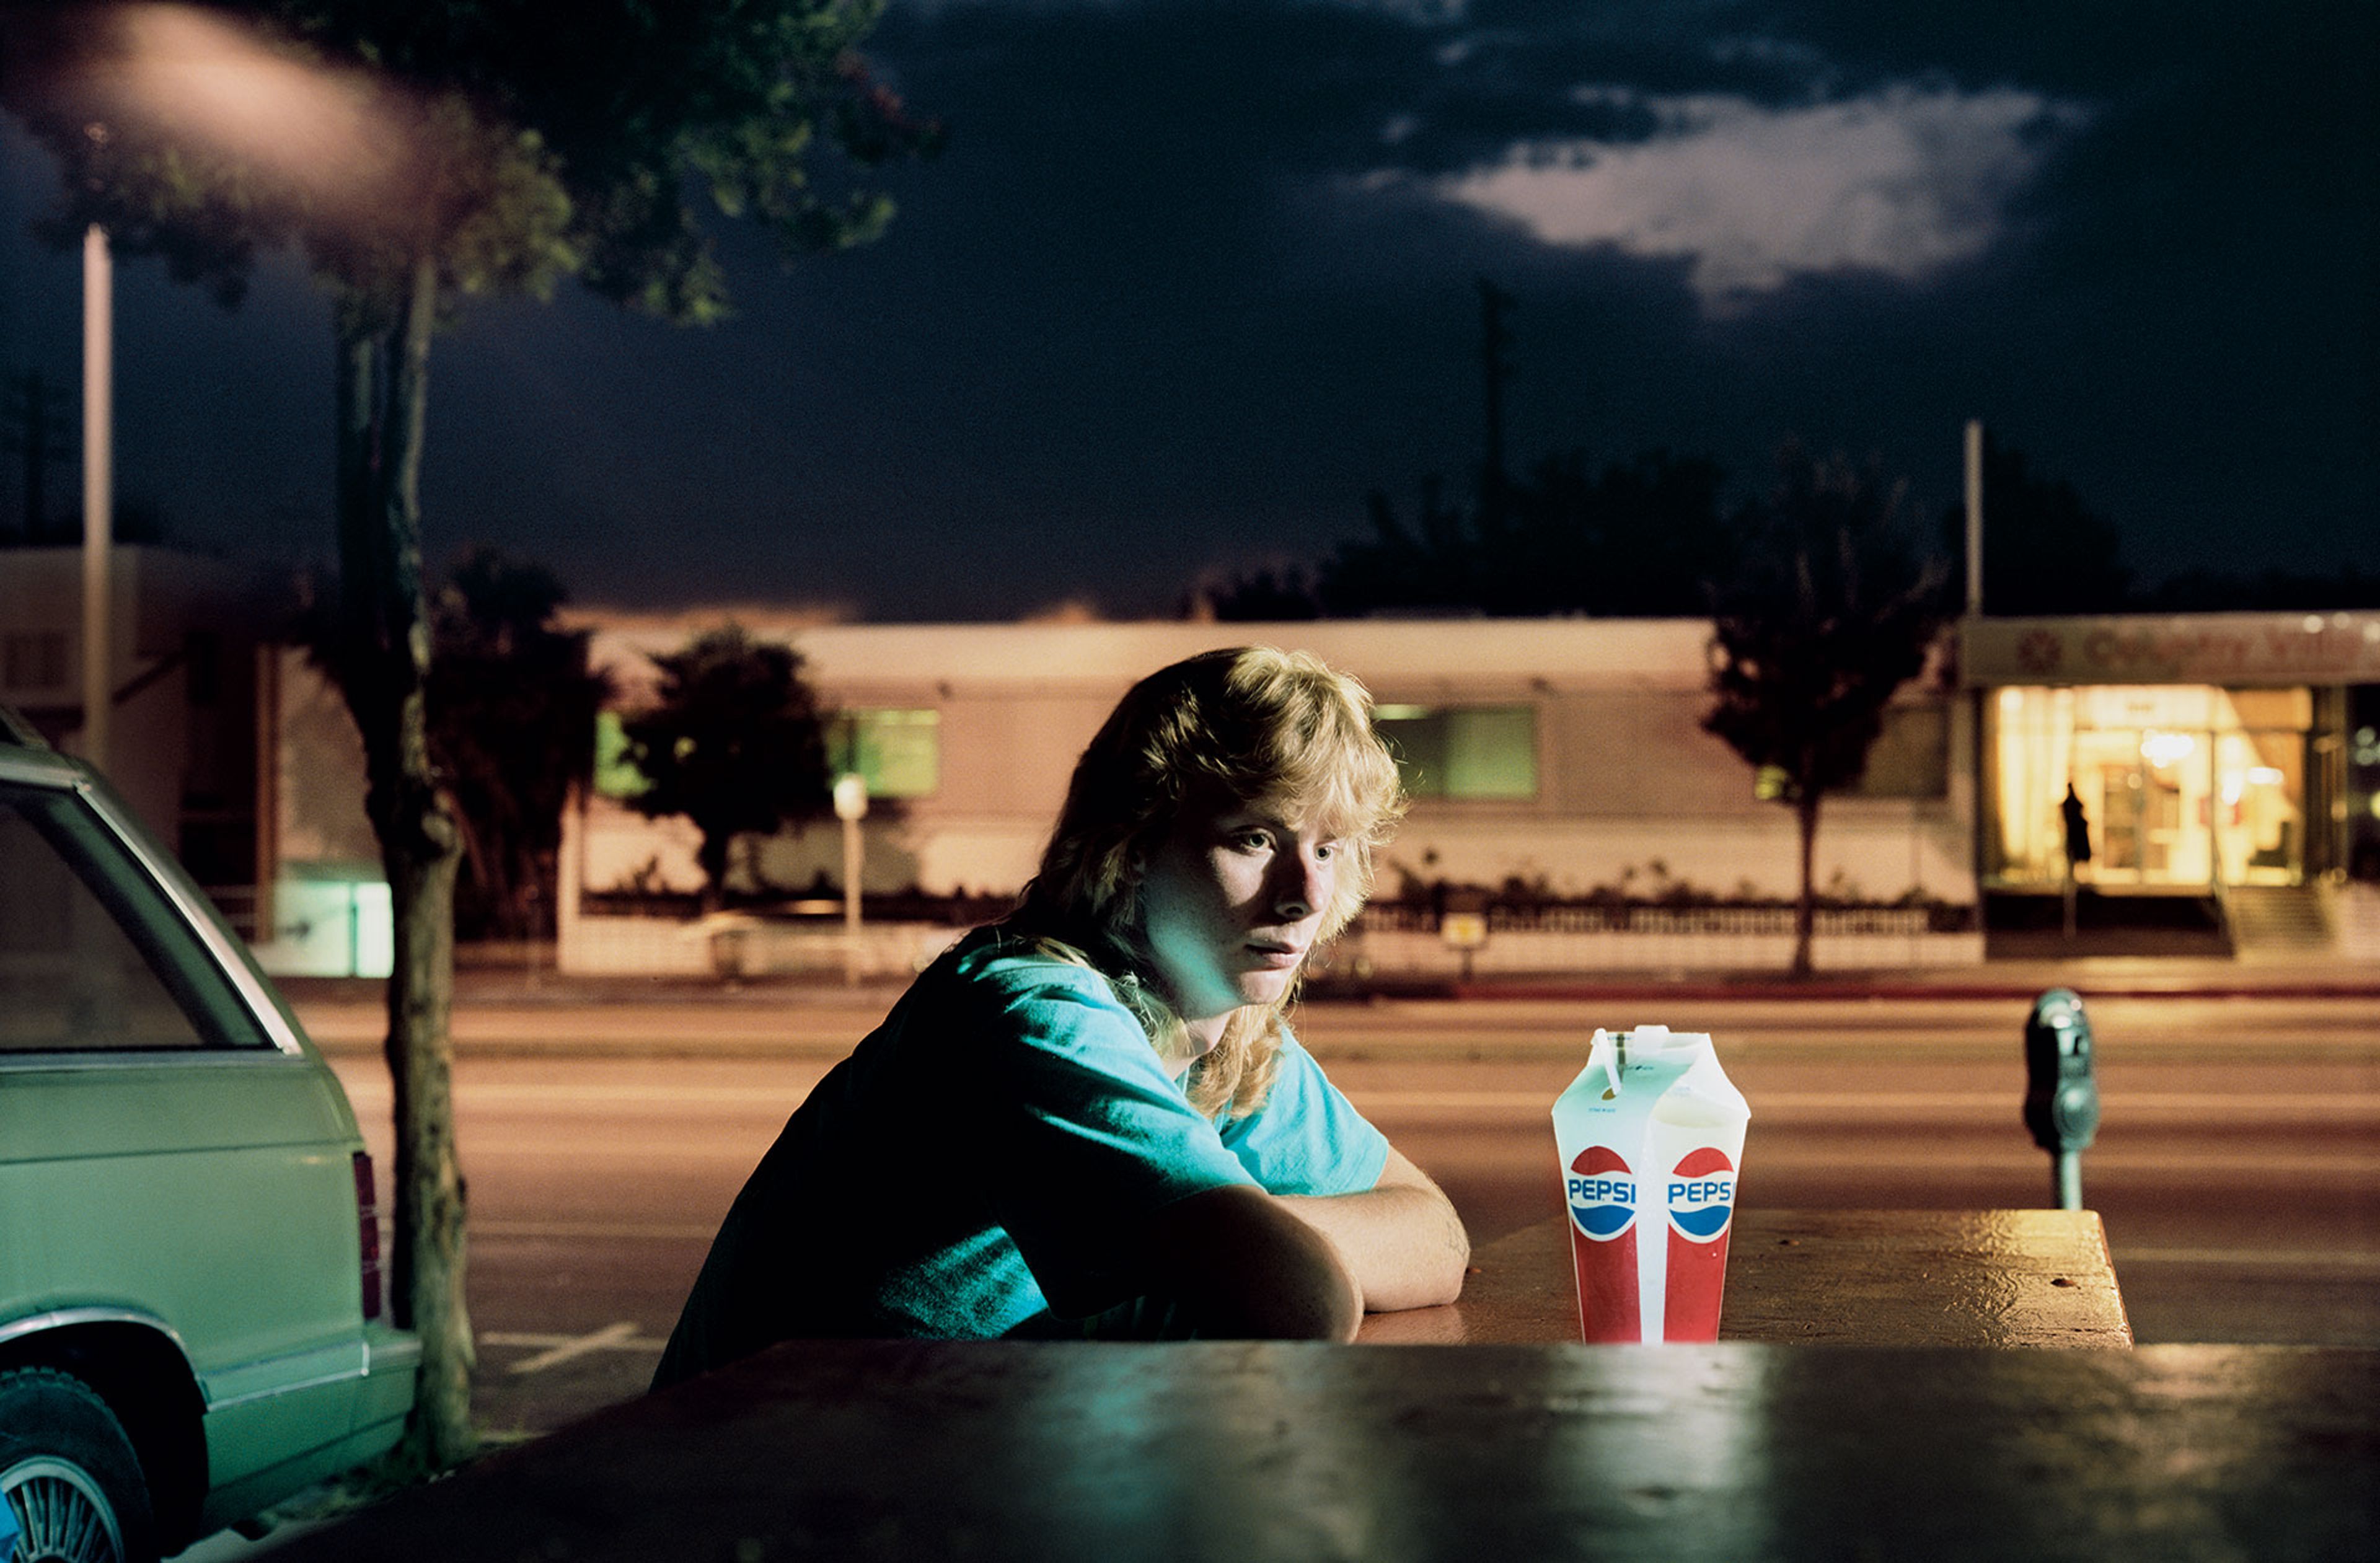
(191, 1301)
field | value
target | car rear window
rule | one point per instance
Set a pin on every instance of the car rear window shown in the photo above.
(93, 957)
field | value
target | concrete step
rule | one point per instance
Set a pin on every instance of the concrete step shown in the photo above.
(2277, 919)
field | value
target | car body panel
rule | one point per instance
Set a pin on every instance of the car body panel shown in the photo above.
(192, 1172)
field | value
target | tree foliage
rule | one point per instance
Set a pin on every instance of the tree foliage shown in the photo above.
(1636, 538)
(735, 743)
(1828, 611)
(2045, 550)
(512, 728)
(514, 144)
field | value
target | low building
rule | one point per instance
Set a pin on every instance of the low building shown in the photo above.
(1546, 759)
(183, 672)
(2225, 756)
(2215, 755)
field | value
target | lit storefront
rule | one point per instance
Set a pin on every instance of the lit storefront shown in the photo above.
(2207, 750)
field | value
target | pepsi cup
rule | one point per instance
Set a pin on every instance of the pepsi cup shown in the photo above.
(1651, 1139)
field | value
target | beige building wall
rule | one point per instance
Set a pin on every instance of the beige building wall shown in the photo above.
(1631, 789)
(319, 820)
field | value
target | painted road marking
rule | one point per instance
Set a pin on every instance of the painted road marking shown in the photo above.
(567, 1095)
(665, 1231)
(560, 1349)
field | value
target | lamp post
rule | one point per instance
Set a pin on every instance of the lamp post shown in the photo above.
(851, 807)
(98, 476)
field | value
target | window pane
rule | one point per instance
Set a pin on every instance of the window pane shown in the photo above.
(899, 752)
(1492, 753)
(91, 956)
(1462, 752)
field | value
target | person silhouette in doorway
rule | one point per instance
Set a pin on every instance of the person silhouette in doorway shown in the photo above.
(2078, 833)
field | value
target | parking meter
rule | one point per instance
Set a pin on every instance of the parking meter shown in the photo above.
(2061, 1098)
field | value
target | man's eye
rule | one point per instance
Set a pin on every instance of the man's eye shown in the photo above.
(1326, 852)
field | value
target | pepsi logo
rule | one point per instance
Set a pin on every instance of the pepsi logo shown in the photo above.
(1602, 1194)
(1701, 1195)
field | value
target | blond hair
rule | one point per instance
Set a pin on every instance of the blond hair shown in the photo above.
(1242, 725)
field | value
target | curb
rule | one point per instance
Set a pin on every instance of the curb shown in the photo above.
(1837, 989)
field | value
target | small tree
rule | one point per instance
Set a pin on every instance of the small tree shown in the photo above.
(1827, 613)
(736, 744)
(512, 726)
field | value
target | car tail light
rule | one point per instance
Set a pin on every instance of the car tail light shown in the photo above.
(368, 1234)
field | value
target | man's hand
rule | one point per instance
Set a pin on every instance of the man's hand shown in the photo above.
(1402, 1239)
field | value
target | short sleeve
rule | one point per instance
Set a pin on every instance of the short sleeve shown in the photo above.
(1082, 1134)
(1308, 1138)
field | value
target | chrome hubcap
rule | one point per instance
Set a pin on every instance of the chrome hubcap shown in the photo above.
(65, 1517)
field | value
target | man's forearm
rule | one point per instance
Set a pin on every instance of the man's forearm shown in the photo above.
(1404, 1243)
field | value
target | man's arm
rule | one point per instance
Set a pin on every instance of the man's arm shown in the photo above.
(1400, 1237)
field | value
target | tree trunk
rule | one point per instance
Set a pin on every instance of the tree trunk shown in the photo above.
(711, 858)
(1805, 910)
(382, 393)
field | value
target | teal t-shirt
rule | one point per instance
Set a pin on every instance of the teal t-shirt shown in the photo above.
(969, 1167)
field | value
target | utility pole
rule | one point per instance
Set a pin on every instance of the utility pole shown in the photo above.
(1495, 369)
(98, 497)
(1974, 474)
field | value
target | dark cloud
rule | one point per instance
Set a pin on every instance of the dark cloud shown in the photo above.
(1191, 278)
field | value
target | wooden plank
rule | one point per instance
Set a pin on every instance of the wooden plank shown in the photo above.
(1882, 1278)
(1273, 1453)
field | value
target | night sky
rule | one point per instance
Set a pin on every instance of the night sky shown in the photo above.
(1192, 278)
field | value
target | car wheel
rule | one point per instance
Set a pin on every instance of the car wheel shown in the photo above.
(70, 1474)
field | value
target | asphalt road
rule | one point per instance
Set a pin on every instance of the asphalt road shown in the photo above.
(2237, 1166)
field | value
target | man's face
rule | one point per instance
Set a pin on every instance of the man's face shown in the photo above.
(1232, 904)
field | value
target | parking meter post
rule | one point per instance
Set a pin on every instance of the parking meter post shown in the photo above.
(2061, 1097)
(2066, 1178)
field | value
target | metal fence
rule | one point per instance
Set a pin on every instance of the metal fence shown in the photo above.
(1641, 917)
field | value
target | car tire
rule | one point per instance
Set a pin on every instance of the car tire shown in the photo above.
(70, 1473)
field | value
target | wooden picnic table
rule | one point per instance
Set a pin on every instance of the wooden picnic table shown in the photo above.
(1873, 1278)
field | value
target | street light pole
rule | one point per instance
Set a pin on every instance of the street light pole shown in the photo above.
(98, 479)
(851, 807)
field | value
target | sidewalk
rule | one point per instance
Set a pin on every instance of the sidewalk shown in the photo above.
(2093, 976)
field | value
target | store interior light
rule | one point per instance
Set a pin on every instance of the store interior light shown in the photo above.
(2161, 749)
(2264, 776)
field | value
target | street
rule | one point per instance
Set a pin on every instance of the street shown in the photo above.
(2238, 1164)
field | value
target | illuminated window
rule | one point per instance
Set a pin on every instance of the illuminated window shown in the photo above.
(1463, 751)
(899, 752)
